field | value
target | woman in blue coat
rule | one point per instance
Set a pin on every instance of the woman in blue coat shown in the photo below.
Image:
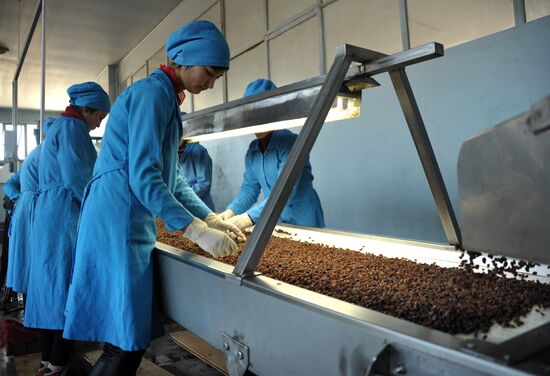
(135, 181)
(264, 160)
(67, 157)
(196, 168)
(12, 190)
(21, 222)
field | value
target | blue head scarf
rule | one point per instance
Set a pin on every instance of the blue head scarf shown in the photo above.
(198, 43)
(259, 86)
(89, 94)
(47, 124)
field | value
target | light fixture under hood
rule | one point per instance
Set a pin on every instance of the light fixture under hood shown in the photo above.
(284, 107)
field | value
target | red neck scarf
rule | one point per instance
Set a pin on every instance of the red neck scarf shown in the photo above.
(176, 83)
(72, 113)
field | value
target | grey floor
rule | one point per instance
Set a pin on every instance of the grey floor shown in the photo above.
(163, 352)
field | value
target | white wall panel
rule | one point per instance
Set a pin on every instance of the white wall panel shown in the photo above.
(244, 23)
(244, 69)
(294, 55)
(454, 22)
(536, 9)
(282, 10)
(373, 24)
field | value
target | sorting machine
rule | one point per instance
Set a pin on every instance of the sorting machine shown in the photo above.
(269, 327)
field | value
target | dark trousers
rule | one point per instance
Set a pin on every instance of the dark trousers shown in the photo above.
(116, 362)
(54, 348)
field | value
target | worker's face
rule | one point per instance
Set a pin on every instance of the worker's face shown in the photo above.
(197, 78)
(93, 119)
(262, 135)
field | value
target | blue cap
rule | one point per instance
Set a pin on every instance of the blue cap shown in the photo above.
(89, 94)
(47, 124)
(259, 86)
(198, 43)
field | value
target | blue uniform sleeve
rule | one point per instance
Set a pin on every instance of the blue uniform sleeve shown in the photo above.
(76, 167)
(12, 187)
(283, 149)
(250, 188)
(203, 169)
(188, 198)
(149, 112)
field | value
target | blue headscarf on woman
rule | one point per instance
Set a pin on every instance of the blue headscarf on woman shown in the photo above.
(259, 86)
(90, 95)
(198, 43)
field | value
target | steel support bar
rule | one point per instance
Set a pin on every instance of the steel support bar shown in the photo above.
(404, 16)
(14, 120)
(402, 59)
(519, 12)
(43, 80)
(297, 158)
(425, 152)
(28, 40)
(20, 61)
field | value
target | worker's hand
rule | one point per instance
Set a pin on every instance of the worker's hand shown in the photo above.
(225, 215)
(214, 221)
(242, 221)
(215, 242)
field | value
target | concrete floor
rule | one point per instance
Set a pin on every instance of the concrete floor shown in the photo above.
(163, 352)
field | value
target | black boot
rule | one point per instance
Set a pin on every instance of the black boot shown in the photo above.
(116, 362)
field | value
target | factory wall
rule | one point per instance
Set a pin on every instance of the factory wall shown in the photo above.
(367, 172)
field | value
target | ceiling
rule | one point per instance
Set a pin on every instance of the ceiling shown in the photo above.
(82, 38)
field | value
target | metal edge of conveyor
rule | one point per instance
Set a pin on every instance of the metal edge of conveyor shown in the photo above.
(431, 345)
(392, 328)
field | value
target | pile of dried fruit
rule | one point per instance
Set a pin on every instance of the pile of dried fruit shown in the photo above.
(452, 300)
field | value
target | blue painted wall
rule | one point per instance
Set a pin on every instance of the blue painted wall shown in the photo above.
(367, 172)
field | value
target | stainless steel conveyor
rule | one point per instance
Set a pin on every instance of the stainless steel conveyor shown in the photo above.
(272, 328)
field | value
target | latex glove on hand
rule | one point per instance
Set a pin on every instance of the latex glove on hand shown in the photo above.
(214, 221)
(215, 242)
(225, 215)
(242, 221)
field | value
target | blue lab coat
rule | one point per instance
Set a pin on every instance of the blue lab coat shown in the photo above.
(196, 167)
(21, 224)
(136, 179)
(12, 187)
(261, 172)
(67, 158)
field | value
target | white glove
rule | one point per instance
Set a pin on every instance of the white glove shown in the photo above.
(213, 220)
(215, 242)
(242, 221)
(228, 213)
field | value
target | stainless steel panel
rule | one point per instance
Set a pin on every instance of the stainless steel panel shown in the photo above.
(504, 181)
